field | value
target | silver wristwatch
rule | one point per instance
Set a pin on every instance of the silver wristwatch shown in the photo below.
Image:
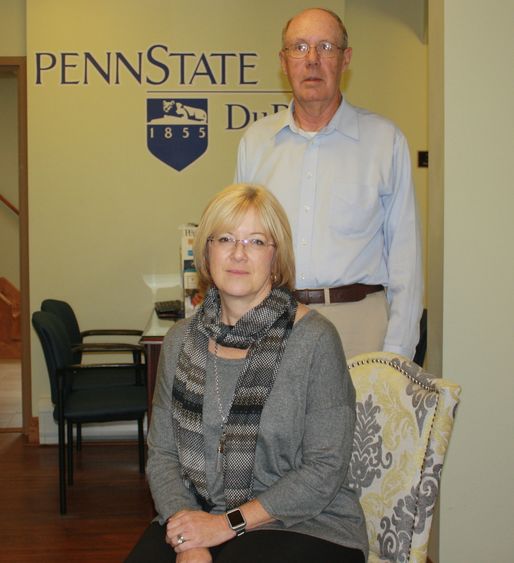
(236, 521)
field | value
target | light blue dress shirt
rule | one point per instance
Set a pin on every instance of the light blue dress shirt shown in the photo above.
(349, 196)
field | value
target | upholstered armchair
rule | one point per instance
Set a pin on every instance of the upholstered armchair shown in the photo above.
(404, 422)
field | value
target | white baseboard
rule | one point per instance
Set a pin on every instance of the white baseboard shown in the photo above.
(48, 433)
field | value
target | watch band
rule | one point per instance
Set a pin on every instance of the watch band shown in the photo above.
(236, 521)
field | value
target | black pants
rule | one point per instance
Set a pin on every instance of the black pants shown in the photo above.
(261, 546)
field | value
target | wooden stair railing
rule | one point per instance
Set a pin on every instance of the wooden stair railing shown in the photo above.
(9, 204)
(10, 335)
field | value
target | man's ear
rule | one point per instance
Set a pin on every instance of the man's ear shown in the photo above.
(347, 57)
(282, 58)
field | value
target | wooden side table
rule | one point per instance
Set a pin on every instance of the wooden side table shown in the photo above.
(151, 339)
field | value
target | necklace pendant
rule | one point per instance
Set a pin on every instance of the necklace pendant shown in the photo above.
(219, 461)
(220, 458)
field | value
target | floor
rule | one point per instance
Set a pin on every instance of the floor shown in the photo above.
(109, 505)
(10, 394)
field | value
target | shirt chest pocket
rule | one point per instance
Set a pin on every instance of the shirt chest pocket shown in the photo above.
(355, 209)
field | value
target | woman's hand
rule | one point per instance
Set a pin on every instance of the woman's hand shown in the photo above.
(197, 529)
(195, 555)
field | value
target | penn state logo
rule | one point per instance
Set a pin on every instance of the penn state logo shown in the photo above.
(177, 130)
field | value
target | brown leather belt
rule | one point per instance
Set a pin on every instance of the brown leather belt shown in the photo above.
(342, 294)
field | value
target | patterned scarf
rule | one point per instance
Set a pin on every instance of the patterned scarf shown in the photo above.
(264, 330)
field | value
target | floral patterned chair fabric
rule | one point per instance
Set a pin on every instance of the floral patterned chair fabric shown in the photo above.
(404, 421)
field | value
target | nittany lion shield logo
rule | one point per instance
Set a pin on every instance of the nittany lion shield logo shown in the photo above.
(177, 130)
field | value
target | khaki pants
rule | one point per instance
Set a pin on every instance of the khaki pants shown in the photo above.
(362, 325)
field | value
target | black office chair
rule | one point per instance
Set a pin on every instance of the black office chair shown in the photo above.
(87, 393)
(65, 312)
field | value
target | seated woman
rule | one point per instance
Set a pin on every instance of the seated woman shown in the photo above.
(253, 413)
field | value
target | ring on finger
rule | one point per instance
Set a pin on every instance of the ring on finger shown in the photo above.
(180, 539)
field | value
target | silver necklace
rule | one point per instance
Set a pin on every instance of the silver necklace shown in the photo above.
(220, 458)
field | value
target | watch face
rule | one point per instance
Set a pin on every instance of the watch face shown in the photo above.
(235, 518)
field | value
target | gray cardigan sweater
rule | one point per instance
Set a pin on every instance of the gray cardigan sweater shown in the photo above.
(304, 442)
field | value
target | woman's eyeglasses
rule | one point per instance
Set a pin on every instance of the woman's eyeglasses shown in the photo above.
(253, 245)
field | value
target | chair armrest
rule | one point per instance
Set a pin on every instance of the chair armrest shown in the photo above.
(111, 332)
(70, 370)
(108, 347)
(67, 374)
(85, 367)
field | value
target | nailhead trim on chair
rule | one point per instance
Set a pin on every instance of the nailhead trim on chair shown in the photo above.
(425, 386)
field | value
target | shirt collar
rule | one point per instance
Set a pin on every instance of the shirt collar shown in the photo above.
(344, 121)
(284, 120)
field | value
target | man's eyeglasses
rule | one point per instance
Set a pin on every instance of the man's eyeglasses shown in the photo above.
(252, 245)
(325, 50)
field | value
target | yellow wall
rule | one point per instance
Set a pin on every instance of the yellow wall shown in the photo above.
(478, 312)
(12, 28)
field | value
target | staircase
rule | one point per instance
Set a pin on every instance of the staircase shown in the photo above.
(10, 338)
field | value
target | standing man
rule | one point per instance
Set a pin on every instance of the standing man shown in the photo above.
(343, 175)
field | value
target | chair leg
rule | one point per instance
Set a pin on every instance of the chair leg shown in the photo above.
(69, 449)
(79, 436)
(62, 467)
(62, 457)
(141, 445)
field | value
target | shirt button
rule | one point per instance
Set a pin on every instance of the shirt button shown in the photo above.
(309, 175)
(302, 276)
(304, 242)
(307, 208)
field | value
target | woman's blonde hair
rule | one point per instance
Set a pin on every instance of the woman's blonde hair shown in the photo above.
(226, 211)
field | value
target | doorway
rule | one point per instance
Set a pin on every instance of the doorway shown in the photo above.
(14, 69)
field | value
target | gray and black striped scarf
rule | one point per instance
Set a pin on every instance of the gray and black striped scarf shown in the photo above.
(264, 330)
